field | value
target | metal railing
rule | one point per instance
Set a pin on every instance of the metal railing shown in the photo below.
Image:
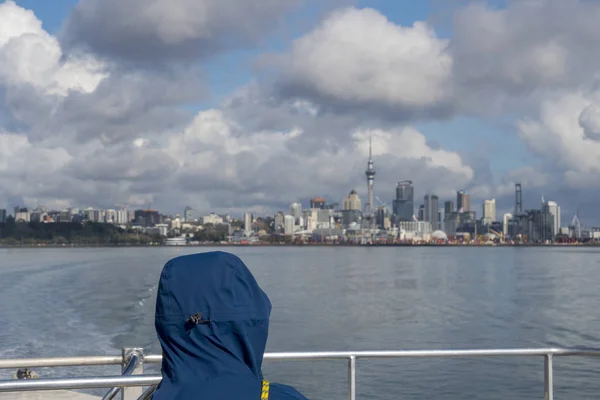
(133, 359)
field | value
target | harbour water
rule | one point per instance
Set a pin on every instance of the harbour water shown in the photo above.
(57, 302)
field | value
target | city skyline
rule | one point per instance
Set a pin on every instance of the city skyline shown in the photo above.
(272, 104)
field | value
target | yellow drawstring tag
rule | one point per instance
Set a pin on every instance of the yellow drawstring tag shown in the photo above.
(265, 391)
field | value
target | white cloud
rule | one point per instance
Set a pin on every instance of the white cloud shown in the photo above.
(358, 58)
(101, 133)
(29, 55)
(558, 136)
(214, 153)
(527, 47)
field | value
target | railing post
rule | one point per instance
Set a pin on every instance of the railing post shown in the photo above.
(352, 378)
(129, 393)
(548, 378)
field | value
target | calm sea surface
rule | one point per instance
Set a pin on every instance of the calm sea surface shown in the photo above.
(59, 302)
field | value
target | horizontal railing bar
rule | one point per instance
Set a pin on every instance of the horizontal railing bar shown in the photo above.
(152, 358)
(18, 385)
(326, 355)
(430, 353)
(60, 361)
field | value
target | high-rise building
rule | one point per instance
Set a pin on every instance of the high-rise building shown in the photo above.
(352, 202)
(111, 216)
(123, 217)
(147, 218)
(317, 202)
(247, 223)
(463, 201)
(404, 205)
(430, 213)
(352, 209)
(451, 222)
(381, 214)
(421, 214)
(188, 214)
(279, 221)
(518, 199)
(296, 210)
(505, 223)
(489, 210)
(288, 225)
(448, 207)
(2, 216)
(22, 215)
(550, 207)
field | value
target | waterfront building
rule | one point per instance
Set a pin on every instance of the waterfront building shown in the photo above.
(403, 207)
(550, 207)
(279, 222)
(296, 211)
(247, 224)
(317, 202)
(414, 230)
(431, 211)
(211, 218)
(463, 201)
(352, 202)
(489, 210)
(188, 214)
(289, 225)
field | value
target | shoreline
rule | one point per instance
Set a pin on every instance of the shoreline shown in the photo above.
(140, 246)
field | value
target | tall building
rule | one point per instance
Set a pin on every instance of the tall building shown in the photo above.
(188, 214)
(430, 212)
(451, 222)
(111, 216)
(247, 223)
(296, 210)
(518, 199)
(351, 213)
(404, 205)
(288, 225)
(421, 214)
(352, 202)
(489, 210)
(22, 215)
(279, 221)
(317, 202)
(147, 218)
(463, 201)
(550, 207)
(2, 215)
(370, 173)
(448, 207)
(123, 217)
(505, 223)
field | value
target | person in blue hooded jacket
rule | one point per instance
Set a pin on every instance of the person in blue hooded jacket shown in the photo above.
(212, 321)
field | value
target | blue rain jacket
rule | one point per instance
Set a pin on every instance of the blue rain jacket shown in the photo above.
(212, 321)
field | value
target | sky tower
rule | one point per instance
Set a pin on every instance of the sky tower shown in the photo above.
(370, 172)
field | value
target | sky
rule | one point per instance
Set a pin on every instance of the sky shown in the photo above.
(230, 106)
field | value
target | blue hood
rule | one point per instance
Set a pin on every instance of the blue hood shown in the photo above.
(212, 321)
